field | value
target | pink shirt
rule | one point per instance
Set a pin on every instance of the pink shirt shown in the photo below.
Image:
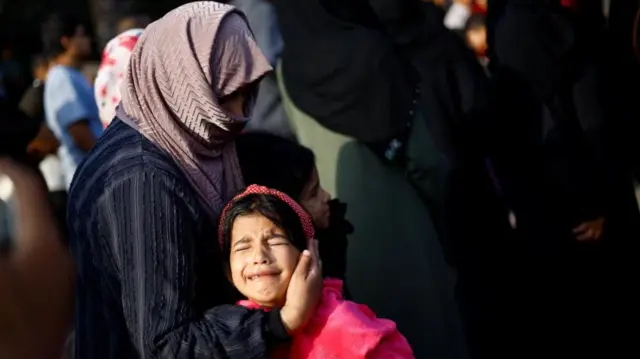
(345, 330)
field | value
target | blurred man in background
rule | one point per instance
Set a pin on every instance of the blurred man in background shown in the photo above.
(69, 104)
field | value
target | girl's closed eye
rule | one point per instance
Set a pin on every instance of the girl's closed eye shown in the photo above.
(278, 241)
(241, 245)
(241, 248)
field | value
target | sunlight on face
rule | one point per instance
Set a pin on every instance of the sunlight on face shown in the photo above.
(262, 260)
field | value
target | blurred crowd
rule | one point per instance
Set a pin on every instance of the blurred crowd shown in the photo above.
(469, 168)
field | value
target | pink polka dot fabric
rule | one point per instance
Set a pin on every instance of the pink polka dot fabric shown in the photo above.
(305, 219)
(115, 59)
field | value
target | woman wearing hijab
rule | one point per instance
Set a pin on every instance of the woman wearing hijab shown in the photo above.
(143, 206)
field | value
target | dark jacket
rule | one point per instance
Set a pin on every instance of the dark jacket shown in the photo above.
(150, 280)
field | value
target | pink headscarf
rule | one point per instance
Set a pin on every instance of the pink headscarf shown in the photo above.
(182, 64)
(113, 67)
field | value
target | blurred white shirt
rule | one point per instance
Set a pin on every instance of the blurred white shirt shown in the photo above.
(457, 16)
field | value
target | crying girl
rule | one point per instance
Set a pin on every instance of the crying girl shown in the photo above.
(262, 234)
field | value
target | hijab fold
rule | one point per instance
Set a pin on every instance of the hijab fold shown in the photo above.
(180, 68)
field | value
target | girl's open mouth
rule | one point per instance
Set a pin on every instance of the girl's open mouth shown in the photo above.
(262, 275)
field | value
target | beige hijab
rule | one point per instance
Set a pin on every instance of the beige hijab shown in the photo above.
(180, 67)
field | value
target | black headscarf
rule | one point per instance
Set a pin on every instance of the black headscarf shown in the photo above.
(342, 64)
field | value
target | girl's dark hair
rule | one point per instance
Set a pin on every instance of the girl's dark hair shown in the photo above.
(475, 21)
(275, 162)
(277, 211)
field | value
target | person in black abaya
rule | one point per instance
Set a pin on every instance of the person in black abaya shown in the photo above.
(389, 74)
(621, 52)
(327, 81)
(554, 161)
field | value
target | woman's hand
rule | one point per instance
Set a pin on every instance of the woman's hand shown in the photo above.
(36, 275)
(304, 290)
(589, 231)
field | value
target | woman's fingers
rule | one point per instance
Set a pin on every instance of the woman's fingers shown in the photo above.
(315, 266)
(585, 236)
(314, 278)
(581, 228)
(304, 265)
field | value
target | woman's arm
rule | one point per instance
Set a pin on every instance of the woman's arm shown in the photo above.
(152, 232)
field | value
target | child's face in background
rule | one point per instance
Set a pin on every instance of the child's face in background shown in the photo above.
(262, 260)
(477, 39)
(315, 200)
